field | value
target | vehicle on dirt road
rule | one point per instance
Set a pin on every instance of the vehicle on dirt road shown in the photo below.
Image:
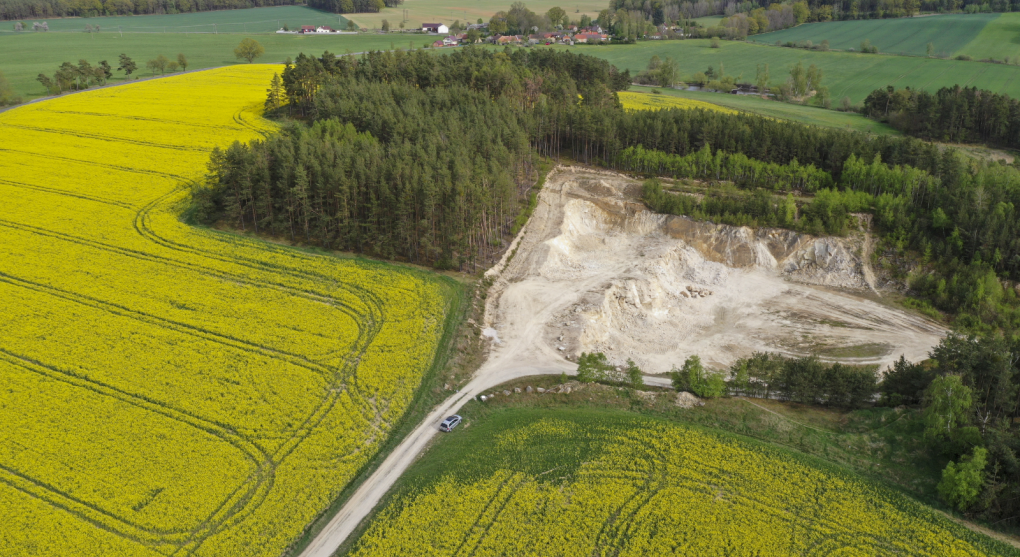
(450, 423)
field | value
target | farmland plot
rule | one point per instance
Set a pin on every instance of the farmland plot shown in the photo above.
(948, 34)
(595, 482)
(644, 101)
(176, 391)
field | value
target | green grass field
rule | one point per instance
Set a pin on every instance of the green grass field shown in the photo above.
(255, 20)
(23, 57)
(709, 21)
(811, 115)
(949, 34)
(999, 39)
(846, 74)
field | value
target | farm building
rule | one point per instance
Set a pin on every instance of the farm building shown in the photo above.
(434, 28)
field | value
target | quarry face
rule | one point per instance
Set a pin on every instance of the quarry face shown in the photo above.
(595, 270)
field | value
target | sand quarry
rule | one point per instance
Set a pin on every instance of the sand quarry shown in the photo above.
(594, 270)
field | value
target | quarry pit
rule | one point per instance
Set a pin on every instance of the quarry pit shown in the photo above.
(595, 270)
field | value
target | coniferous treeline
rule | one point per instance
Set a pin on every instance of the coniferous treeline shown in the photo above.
(957, 114)
(413, 156)
(33, 9)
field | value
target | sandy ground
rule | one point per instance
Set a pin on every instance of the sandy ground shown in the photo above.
(598, 272)
(593, 270)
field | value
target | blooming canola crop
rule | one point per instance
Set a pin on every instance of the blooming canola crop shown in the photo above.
(641, 487)
(631, 100)
(169, 390)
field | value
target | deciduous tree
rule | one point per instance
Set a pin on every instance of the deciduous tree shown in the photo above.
(961, 482)
(249, 50)
(127, 65)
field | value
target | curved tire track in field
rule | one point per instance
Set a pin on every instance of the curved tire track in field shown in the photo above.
(368, 319)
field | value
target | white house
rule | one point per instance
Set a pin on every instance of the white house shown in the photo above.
(434, 28)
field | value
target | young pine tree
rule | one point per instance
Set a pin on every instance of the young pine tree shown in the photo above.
(275, 96)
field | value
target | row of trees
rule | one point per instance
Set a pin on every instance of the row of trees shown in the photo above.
(32, 9)
(70, 77)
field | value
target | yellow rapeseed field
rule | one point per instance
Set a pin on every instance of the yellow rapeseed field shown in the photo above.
(647, 101)
(645, 487)
(172, 391)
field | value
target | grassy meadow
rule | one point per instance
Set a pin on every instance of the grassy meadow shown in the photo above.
(811, 115)
(999, 39)
(848, 74)
(24, 56)
(949, 34)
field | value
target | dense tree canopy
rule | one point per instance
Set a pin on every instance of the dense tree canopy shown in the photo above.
(33, 9)
(413, 156)
(957, 114)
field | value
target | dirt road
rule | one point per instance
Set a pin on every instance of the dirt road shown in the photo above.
(591, 271)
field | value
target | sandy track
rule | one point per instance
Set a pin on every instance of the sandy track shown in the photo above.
(567, 260)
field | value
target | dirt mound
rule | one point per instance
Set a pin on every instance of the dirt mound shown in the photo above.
(687, 400)
(596, 271)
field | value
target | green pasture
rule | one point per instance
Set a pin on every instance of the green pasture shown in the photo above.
(254, 20)
(810, 115)
(949, 34)
(23, 57)
(999, 39)
(853, 75)
(709, 21)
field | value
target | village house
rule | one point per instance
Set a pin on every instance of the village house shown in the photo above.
(438, 28)
(590, 38)
(307, 29)
(507, 39)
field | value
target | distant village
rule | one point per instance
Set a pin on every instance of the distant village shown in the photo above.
(479, 33)
(570, 35)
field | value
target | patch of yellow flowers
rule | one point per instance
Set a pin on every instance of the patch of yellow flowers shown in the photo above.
(646, 101)
(653, 488)
(170, 390)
